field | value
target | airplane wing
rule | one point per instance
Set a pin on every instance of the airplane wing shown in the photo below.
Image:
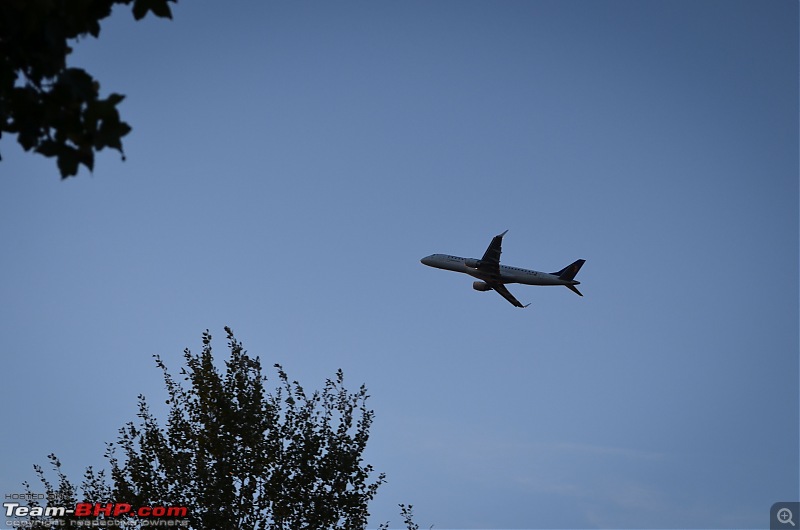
(490, 262)
(501, 289)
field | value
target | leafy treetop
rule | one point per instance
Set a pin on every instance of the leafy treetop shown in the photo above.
(240, 456)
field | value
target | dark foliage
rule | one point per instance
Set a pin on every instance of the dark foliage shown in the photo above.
(95, 489)
(239, 457)
(53, 109)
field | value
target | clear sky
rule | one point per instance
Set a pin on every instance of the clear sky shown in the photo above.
(291, 162)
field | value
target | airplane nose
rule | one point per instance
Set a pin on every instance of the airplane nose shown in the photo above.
(426, 260)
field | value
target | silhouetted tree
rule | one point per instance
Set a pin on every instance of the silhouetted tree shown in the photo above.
(54, 109)
(95, 488)
(407, 513)
(239, 457)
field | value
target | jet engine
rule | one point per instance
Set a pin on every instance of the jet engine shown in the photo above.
(472, 263)
(481, 286)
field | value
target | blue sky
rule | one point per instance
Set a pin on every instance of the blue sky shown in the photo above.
(289, 165)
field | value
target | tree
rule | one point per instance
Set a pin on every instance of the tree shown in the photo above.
(95, 489)
(239, 457)
(53, 109)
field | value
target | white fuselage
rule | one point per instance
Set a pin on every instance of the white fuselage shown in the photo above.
(507, 274)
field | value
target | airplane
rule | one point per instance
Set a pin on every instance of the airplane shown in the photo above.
(494, 276)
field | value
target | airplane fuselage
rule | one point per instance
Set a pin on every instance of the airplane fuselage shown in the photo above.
(494, 277)
(507, 274)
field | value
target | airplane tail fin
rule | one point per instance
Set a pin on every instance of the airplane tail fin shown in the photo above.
(570, 271)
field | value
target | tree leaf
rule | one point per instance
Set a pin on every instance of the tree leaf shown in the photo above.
(160, 8)
(68, 162)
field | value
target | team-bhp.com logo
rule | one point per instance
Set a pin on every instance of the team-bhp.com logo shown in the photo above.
(109, 512)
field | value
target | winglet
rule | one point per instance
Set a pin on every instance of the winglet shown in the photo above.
(526, 305)
(501, 235)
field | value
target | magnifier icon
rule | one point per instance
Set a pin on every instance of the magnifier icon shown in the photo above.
(785, 516)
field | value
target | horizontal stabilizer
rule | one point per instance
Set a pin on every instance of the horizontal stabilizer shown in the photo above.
(573, 289)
